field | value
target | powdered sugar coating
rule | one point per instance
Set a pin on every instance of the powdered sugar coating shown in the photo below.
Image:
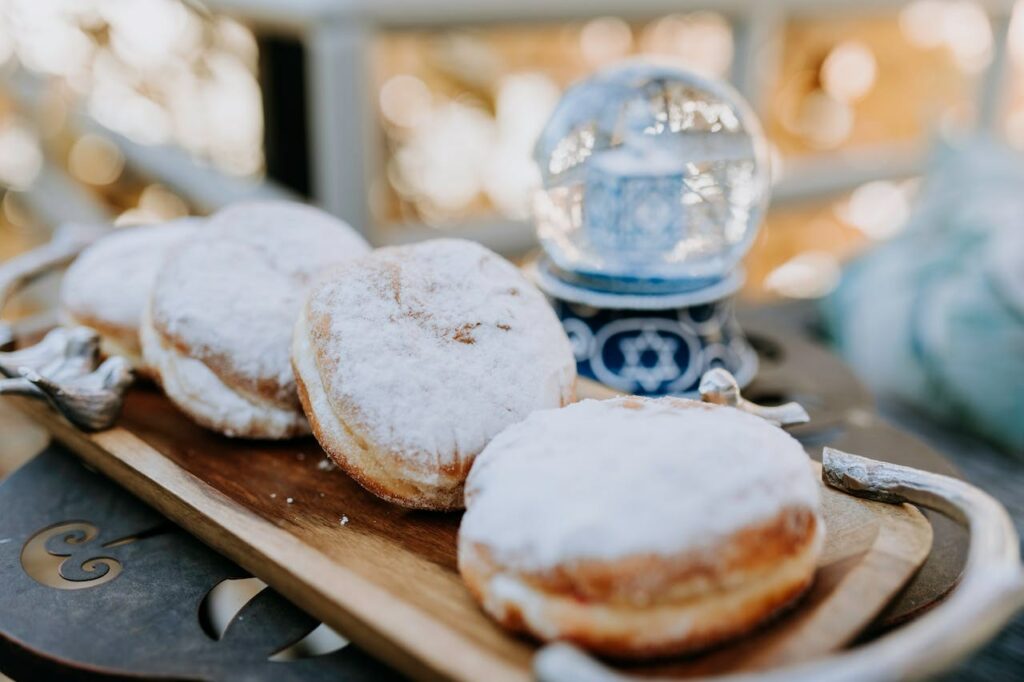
(209, 401)
(229, 298)
(111, 280)
(432, 349)
(603, 480)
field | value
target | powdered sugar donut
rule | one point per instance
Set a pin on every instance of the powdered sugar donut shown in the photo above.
(108, 285)
(218, 326)
(410, 360)
(636, 527)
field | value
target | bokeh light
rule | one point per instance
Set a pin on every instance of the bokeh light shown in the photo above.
(823, 121)
(405, 101)
(605, 39)
(95, 160)
(811, 274)
(461, 108)
(700, 40)
(960, 26)
(21, 157)
(866, 81)
(848, 72)
(878, 209)
(156, 71)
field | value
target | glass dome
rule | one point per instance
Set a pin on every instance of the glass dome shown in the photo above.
(654, 179)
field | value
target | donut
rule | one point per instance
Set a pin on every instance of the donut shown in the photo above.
(411, 359)
(108, 285)
(638, 527)
(219, 322)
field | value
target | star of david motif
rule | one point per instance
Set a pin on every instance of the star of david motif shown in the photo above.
(649, 376)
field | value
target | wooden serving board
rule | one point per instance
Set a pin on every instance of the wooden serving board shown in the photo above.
(386, 577)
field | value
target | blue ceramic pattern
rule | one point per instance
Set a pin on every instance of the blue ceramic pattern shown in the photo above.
(656, 352)
(637, 215)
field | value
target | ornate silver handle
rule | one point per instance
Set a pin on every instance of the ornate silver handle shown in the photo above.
(990, 592)
(61, 354)
(719, 386)
(62, 370)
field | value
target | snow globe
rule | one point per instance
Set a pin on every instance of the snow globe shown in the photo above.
(655, 180)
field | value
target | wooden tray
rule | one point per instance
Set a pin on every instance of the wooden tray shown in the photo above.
(386, 577)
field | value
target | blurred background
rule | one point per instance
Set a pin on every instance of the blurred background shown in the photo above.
(412, 118)
(416, 118)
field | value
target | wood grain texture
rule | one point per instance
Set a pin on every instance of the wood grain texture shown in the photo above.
(387, 578)
(22, 438)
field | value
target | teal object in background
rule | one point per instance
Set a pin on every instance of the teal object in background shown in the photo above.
(935, 317)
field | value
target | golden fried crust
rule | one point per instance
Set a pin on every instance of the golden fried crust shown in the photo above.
(644, 579)
(126, 337)
(400, 474)
(115, 340)
(215, 405)
(386, 474)
(258, 389)
(646, 605)
(352, 454)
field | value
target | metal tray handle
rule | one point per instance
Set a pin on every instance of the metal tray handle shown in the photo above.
(63, 369)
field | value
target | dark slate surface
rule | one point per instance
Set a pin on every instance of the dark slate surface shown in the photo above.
(61, 618)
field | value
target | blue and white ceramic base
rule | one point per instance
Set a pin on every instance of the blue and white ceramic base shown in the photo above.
(650, 344)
